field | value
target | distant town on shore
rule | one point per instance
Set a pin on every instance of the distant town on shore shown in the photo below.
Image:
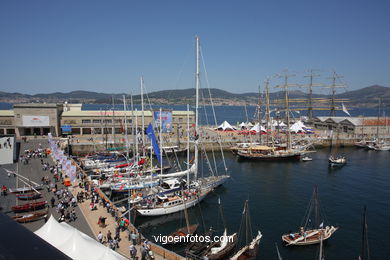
(364, 97)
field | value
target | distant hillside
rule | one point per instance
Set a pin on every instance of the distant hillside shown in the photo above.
(367, 97)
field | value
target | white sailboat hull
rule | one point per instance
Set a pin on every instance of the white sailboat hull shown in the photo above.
(168, 210)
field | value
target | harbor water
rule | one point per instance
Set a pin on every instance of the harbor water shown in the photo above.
(279, 194)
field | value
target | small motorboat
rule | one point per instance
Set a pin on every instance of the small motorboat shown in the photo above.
(307, 159)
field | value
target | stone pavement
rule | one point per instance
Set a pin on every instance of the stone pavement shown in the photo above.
(33, 171)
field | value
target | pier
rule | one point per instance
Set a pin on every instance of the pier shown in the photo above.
(87, 220)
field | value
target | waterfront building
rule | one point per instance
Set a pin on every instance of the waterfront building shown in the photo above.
(358, 126)
(40, 119)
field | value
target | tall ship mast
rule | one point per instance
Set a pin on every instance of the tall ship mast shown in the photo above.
(333, 88)
(266, 152)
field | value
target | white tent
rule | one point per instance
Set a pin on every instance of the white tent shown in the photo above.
(225, 126)
(300, 123)
(257, 129)
(296, 127)
(74, 243)
(280, 123)
(242, 125)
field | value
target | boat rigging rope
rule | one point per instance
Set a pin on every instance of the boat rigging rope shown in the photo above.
(212, 106)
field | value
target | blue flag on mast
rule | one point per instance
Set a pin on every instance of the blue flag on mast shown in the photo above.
(153, 140)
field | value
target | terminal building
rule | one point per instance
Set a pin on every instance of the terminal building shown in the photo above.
(39, 119)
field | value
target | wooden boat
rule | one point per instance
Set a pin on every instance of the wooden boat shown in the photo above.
(248, 251)
(267, 153)
(29, 206)
(30, 217)
(309, 237)
(222, 249)
(25, 189)
(29, 196)
(313, 234)
(182, 232)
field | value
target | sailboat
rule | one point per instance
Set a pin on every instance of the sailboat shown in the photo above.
(198, 189)
(249, 250)
(310, 232)
(188, 230)
(216, 250)
(273, 152)
(336, 160)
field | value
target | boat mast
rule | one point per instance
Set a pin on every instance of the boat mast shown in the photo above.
(377, 124)
(333, 88)
(161, 144)
(365, 253)
(197, 83)
(285, 86)
(132, 125)
(142, 115)
(321, 254)
(311, 76)
(136, 137)
(259, 115)
(188, 147)
(268, 116)
(126, 137)
(113, 121)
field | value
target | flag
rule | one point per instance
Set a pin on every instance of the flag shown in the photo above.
(322, 225)
(153, 140)
(345, 109)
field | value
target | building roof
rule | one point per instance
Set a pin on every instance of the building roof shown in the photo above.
(98, 113)
(36, 105)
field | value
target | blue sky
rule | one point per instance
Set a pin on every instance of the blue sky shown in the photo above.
(105, 46)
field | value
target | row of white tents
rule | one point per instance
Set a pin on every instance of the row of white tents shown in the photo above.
(297, 127)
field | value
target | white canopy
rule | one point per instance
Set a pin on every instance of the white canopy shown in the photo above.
(74, 243)
(276, 123)
(242, 125)
(297, 127)
(257, 128)
(300, 123)
(225, 126)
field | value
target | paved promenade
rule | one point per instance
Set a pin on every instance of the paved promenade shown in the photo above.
(87, 220)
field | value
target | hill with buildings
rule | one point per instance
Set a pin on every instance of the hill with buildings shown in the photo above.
(365, 97)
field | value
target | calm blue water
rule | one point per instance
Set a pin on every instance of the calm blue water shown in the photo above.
(279, 193)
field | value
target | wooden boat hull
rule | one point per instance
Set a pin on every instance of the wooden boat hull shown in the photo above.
(248, 252)
(30, 217)
(310, 239)
(293, 157)
(29, 196)
(223, 254)
(29, 207)
(182, 232)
